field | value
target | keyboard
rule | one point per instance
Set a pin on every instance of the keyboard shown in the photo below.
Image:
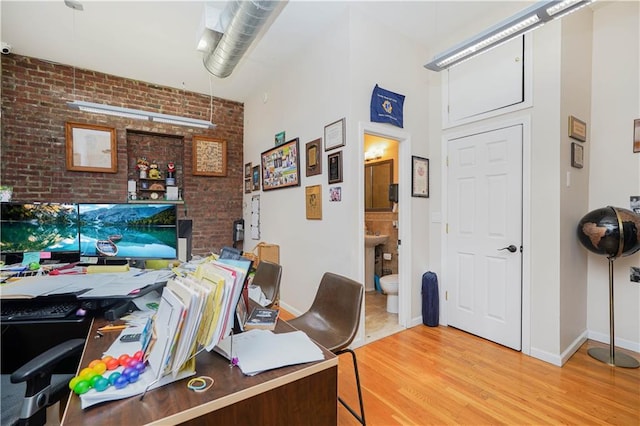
(37, 311)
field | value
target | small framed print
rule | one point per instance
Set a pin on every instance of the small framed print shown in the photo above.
(279, 138)
(636, 135)
(209, 156)
(91, 148)
(256, 177)
(314, 157)
(577, 155)
(577, 129)
(247, 170)
(335, 167)
(419, 177)
(247, 186)
(334, 135)
(313, 196)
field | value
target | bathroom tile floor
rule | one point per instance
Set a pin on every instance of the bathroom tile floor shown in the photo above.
(378, 322)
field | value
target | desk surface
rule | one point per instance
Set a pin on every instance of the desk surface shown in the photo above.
(305, 393)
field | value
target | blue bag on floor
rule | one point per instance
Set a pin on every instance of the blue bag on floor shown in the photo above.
(430, 299)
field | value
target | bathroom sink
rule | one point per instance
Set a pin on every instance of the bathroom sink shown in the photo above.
(374, 240)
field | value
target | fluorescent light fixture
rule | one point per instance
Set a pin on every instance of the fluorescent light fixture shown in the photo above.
(520, 23)
(139, 114)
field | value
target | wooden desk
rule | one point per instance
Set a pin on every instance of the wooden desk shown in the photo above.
(300, 394)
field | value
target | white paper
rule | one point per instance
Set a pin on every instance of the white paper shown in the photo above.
(260, 350)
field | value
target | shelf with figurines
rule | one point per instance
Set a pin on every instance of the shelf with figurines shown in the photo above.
(151, 186)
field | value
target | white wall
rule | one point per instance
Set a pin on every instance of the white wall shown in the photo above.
(327, 81)
(614, 168)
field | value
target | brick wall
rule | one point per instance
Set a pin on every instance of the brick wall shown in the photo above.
(33, 161)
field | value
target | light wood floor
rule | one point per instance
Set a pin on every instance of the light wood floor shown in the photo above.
(441, 375)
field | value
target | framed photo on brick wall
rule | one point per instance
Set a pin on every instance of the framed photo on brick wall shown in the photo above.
(209, 156)
(91, 148)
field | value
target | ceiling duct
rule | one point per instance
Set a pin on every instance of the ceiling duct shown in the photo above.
(241, 22)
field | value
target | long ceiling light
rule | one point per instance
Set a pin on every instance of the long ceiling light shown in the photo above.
(522, 22)
(139, 114)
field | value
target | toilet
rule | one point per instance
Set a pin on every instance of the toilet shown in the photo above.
(389, 285)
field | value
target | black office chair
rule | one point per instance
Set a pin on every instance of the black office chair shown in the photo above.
(32, 388)
(333, 320)
(267, 277)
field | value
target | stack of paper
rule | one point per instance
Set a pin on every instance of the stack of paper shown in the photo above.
(260, 350)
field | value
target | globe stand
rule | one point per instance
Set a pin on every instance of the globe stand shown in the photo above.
(611, 356)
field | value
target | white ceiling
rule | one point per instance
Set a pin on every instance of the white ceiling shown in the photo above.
(155, 41)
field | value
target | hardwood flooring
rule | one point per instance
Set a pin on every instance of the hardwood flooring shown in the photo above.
(441, 375)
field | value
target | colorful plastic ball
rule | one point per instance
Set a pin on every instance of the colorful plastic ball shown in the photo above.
(113, 377)
(123, 359)
(127, 370)
(112, 364)
(121, 382)
(82, 387)
(87, 373)
(138, 355)
(132, 376)
(94, 380)
(140, 366)
(73, 382)
(101, 384)
(99, 367)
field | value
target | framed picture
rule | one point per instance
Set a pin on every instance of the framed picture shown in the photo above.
(334, 135)
(636, 135)
(313, 195)
(335, 193)
(247, 171)
(279, 139)
(335, 167)
(419, 177)
(314, 157)
(91, 148)
(256, 177)
(577, 129)
(280, 166)
(247, 186)
(577, 155)
(209, 156)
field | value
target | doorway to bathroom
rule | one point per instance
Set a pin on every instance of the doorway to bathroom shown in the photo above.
(381, 227)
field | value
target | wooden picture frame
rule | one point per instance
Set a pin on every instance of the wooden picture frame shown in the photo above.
(314, 157)
(636, 135)
(419, 177)
(577, 155)
(577, 129)
(91, 148)
(256, 177)
(247, 186)
(334, 135)
(247, 170)
(281, 166)
(313, 197)
(209, 156)
(335, 167)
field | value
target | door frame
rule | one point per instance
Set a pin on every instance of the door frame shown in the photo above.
(404, 215)
(517, 119)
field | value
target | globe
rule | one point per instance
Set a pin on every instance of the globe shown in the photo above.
(610, 231)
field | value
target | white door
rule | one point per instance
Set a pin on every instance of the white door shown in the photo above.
(484, 260)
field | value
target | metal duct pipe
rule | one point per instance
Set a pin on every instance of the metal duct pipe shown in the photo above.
(242, 21)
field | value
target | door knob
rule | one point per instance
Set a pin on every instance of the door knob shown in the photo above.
(511, 248)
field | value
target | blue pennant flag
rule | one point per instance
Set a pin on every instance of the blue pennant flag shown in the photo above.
(386, 107)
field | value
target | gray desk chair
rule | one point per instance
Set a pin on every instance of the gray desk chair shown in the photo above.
(333, 319)
(32, 388)
(267, 277)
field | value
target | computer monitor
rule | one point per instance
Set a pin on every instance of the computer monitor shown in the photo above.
(130, 231)
(48, 228)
